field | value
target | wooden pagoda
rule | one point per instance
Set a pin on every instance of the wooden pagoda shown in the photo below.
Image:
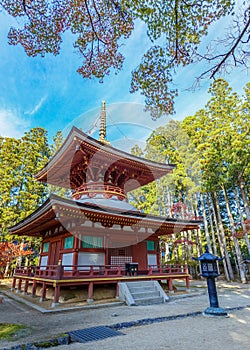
(96, 235)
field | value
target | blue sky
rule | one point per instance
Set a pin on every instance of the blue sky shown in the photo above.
(47, 92)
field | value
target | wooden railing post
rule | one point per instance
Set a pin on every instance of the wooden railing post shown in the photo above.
(19, 286)
(119, 271)
(13, 284)
(91, 270)
(26, 284)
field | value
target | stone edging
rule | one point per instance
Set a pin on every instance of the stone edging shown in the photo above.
(62, 340)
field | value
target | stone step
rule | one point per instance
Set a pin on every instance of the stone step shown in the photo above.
(146, 294)
(141, 289)
(140, 283)
(148, 301)
(142, 293)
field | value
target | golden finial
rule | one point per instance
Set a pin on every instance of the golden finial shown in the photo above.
(102, 132)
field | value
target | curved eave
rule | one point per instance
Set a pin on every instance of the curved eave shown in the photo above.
(41, 219)
(57, 171)
(57, 209)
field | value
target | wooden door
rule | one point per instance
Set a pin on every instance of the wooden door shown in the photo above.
(54, 252)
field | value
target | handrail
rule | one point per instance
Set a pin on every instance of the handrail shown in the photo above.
(168, 269)
(96, 271)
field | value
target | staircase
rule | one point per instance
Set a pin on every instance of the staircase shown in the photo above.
(142, 293)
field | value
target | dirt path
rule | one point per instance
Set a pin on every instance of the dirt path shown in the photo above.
(187, 332)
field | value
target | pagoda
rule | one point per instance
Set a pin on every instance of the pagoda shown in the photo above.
(96, 234)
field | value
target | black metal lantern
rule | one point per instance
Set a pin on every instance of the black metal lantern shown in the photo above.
(209, 270)
(208, 264)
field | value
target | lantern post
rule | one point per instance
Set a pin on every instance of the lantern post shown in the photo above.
(209, 270)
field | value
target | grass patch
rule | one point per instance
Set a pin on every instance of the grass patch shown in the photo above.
(10, 331)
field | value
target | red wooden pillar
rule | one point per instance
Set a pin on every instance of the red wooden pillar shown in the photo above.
(43, 296)
(90, 292)
(19, 286)
(13, 284)
(33, 293)
(26, 285)
(187, 283)
(170, 285)
(117, 290)
(56, 294)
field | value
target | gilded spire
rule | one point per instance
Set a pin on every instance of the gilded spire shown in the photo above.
(102, 132)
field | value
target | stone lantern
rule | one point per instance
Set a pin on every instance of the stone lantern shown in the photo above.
(209, 270)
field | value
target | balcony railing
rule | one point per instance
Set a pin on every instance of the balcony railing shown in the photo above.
(168, 269)
(94, 271)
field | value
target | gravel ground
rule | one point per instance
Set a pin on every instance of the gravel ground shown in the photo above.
(189, 332)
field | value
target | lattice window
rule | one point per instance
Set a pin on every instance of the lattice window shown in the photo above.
(120, 260)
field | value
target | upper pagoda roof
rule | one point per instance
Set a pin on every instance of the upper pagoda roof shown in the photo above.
(81, 154)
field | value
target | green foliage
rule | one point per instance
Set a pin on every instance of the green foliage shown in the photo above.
(57, 143)
(171, 145)
(98, 26)
(20, 160)
(175, 27)
(179, 26)
(10, 331)
(220, 134)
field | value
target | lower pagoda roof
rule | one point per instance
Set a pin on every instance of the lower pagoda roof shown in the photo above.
(66, 211)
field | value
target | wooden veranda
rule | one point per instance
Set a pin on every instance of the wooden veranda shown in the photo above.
(57, 276)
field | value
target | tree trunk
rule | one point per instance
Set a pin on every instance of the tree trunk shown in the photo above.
(211, 226)
(245, 199)
(190, 247)
(6, 269)
(169, 202)
(220, 241)
(242, 220)
(236, 243)
(199, 239)
(222, 237)
(183, 246)
(205, 221)
(199, 242)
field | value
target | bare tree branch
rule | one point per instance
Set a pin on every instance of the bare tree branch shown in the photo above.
(92, 24)
(231, 51)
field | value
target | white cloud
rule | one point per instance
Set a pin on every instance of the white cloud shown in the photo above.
(37, 106)
(11, 125)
